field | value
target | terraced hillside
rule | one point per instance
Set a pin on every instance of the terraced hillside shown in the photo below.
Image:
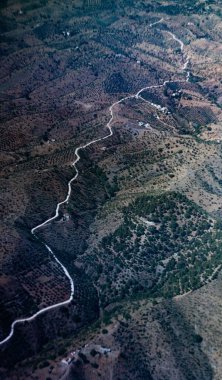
(141, 233)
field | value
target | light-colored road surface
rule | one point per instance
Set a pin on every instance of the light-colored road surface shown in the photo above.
(138, 95)
(157, 22)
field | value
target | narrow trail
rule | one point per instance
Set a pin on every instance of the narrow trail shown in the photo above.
(138, 95)
(157, 22)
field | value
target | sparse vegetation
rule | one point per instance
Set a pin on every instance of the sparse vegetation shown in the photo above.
(143, 221)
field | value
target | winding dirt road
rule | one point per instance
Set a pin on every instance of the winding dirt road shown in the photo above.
(138, 95)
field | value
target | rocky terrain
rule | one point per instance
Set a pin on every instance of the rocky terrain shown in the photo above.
(141, 233)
